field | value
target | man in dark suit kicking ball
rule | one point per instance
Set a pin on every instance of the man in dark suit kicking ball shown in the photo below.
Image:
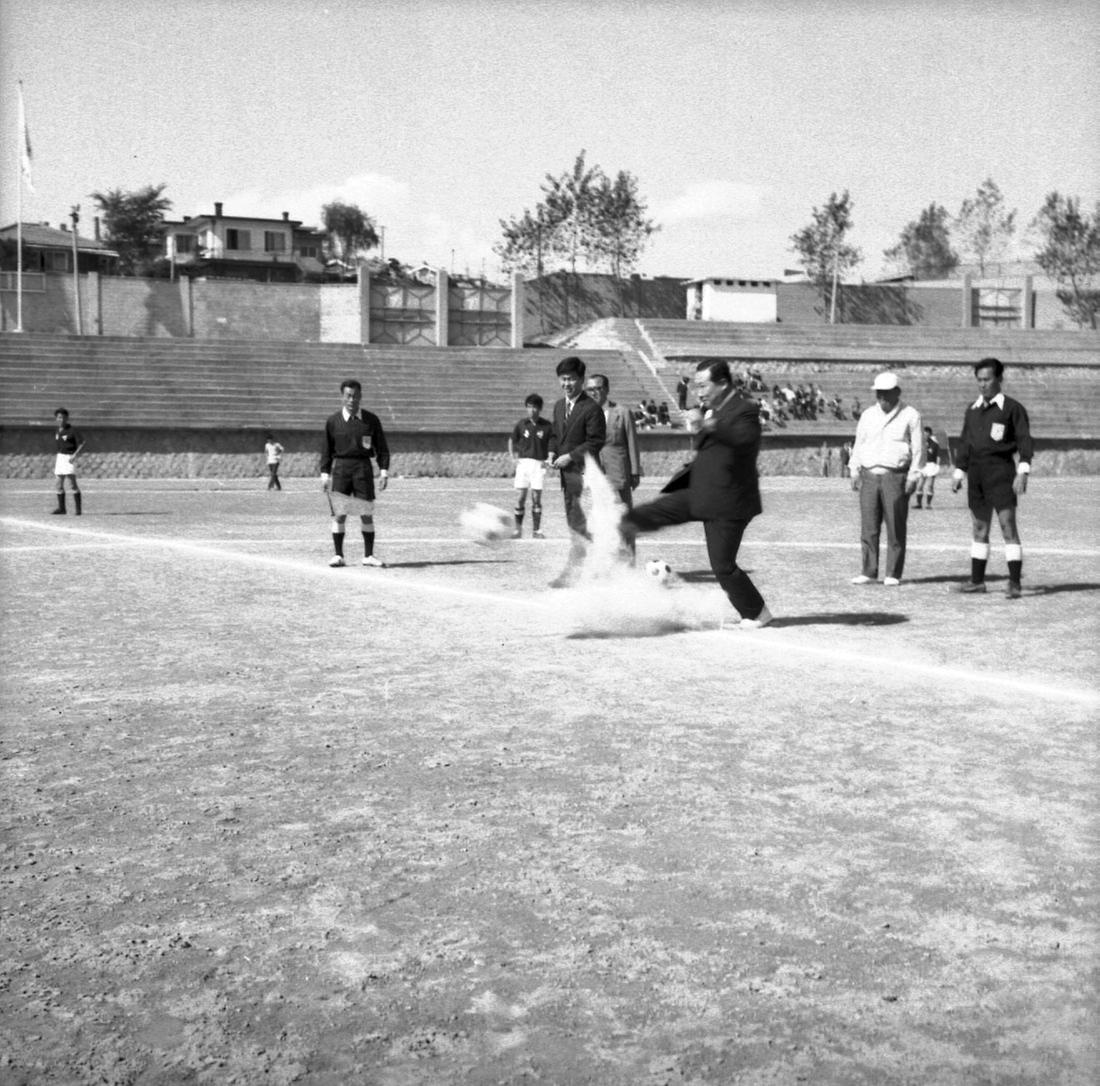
(720, 487)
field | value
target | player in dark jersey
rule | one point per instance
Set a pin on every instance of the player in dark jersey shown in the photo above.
(529, 446)
(69, 443)
(994, 455)
(926, 488)
(352, 438)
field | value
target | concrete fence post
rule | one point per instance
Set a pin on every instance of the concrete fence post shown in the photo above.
(364, 306)
(517, 309)
(442, 308)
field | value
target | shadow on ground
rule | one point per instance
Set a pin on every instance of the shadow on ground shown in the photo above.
(841, 618)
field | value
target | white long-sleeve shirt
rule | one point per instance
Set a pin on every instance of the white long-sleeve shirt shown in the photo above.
(889, 439)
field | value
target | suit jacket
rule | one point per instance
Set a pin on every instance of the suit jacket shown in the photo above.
(585, 431)
(619, 456)
(722, 480)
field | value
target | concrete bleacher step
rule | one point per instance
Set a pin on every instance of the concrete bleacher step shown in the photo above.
(115, 381)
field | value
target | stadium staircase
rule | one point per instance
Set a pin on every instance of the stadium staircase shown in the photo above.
(230, 384)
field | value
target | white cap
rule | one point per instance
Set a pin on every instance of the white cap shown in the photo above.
(884, 382)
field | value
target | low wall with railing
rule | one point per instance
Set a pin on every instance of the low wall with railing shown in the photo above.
(112, 453)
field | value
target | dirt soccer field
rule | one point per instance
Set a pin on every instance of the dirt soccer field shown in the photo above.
(268, 822)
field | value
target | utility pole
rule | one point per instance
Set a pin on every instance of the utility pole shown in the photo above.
(74, 214)
(832, 304)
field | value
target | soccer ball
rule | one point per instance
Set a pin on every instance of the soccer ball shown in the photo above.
(659, 570)
(486, 524)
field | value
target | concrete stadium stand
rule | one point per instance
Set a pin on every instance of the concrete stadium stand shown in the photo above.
(184, 408)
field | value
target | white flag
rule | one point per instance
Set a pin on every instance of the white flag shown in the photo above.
(24, 143)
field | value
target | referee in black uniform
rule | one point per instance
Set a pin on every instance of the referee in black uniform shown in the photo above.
(353, 437)
(994, 454)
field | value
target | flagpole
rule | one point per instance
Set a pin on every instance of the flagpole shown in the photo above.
(21, 143)
(19, 247)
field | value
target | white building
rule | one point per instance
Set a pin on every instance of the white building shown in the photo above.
(751, 300)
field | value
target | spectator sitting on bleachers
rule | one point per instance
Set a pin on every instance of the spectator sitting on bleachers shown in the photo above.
(663, 417)
(651, 413)
(838, 410)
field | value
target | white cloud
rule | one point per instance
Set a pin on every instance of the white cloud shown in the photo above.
(379, 196)
(712, 199)
(414, 232)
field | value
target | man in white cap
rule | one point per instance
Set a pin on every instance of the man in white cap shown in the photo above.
(886, 464)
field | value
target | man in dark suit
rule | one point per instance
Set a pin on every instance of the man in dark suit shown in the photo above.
(578, 428)
(720, 486)
(619, 458)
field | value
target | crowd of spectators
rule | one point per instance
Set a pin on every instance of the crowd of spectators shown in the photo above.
(783, 403)
(650, 414)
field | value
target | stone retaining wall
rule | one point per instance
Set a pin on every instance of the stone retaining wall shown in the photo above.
(26, 453)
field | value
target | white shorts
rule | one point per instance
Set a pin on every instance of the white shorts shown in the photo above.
(530, 474)
(930, 471)
(63, 465)
(348, 505)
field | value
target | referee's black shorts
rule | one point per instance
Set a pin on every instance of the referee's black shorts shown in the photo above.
(353, 478)
(989, 485)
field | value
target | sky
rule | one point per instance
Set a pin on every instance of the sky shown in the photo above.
(441, 117)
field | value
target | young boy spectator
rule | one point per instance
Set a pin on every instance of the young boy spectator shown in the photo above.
(69, 443)
(274, 453)
(927, 485)
(529, 446)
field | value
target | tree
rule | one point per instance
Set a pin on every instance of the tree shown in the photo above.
(133, 225)
(527, 242)
(983, 229)
(1071, 255)
(349, 230)
(822, 250)
(618, 226)
(924, 248)
(583, 216)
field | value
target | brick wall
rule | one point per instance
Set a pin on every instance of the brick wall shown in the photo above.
(259, 311)
(142, 307)
(929, 307)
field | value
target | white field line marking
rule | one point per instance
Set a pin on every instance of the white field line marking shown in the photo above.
(401, 541)
(374, 580)
(1002, 681)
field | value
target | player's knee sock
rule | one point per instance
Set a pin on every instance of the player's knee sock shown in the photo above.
(979, 555)
(338, 538)
(1014, 556)
(536, 514)
(919, 500)
(368, 543)
(518, 514)
(60, 502)
(77, 496)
